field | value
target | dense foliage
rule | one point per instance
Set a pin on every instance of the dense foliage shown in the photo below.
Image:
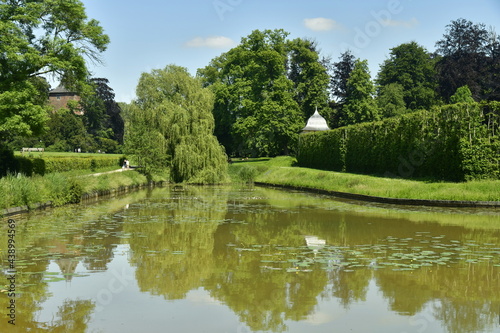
(412, 68)
(170, 126)
(102, 116)
(99, 129)
(455, 142)
(265, 89)
(37, 38)
(470, 55)
(360, 105)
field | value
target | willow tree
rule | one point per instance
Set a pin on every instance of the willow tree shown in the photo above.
(171, 125)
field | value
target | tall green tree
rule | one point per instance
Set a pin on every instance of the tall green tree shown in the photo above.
(360, 104)
(412, 67)
(170, 126)
(102, 113)
(470, 56)
(254, 99)
(39, 38)
(309, 76)
(340, 72)
(66, 132)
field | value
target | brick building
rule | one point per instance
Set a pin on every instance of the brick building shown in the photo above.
(60, 96)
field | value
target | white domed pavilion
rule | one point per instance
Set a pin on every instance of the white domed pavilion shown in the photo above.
(316, 123)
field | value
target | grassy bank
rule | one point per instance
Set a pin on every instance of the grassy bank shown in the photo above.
(280, 171)
(64, 188)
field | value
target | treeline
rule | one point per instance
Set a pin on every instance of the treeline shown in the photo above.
(454, 142)
(255, 98)
(267, 87)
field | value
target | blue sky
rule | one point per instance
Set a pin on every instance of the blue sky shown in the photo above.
(151, 34)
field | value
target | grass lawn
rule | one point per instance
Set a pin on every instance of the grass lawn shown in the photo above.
(281, 171)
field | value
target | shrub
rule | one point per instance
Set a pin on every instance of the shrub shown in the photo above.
(247, 173)
(75, 191)
(8, 162)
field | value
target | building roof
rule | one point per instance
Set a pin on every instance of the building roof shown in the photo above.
(61, 89)
(316, 123)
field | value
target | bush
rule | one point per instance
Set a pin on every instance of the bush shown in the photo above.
(75, 191)
(248, 173)
(8, 163)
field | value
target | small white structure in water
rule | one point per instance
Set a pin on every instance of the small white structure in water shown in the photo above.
(316, 123)
(315, 243)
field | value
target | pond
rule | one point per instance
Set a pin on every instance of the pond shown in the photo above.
(226, 259)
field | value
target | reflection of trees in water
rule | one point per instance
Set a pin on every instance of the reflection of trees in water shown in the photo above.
(73, 316)
(63, 234)
(469, 296)
(199, 223)
(263, 299)
(99, 239)
(348, 287)
(166, 273)
(173, 240)
(467, 316)
(33, 295)
(241, 284)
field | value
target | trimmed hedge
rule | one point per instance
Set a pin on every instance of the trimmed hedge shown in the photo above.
(455, 142)
(41, 166)
(61, 164)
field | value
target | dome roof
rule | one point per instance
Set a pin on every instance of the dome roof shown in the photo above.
(316, 123)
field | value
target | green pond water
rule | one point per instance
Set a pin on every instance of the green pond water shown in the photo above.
(225, 259)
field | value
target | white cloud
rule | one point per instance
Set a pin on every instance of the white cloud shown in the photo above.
(213, 42)
(405, 24)
(320, 24)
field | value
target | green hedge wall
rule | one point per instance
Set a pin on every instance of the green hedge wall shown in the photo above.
(62, 164)
(29, 166)
(455, 142)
